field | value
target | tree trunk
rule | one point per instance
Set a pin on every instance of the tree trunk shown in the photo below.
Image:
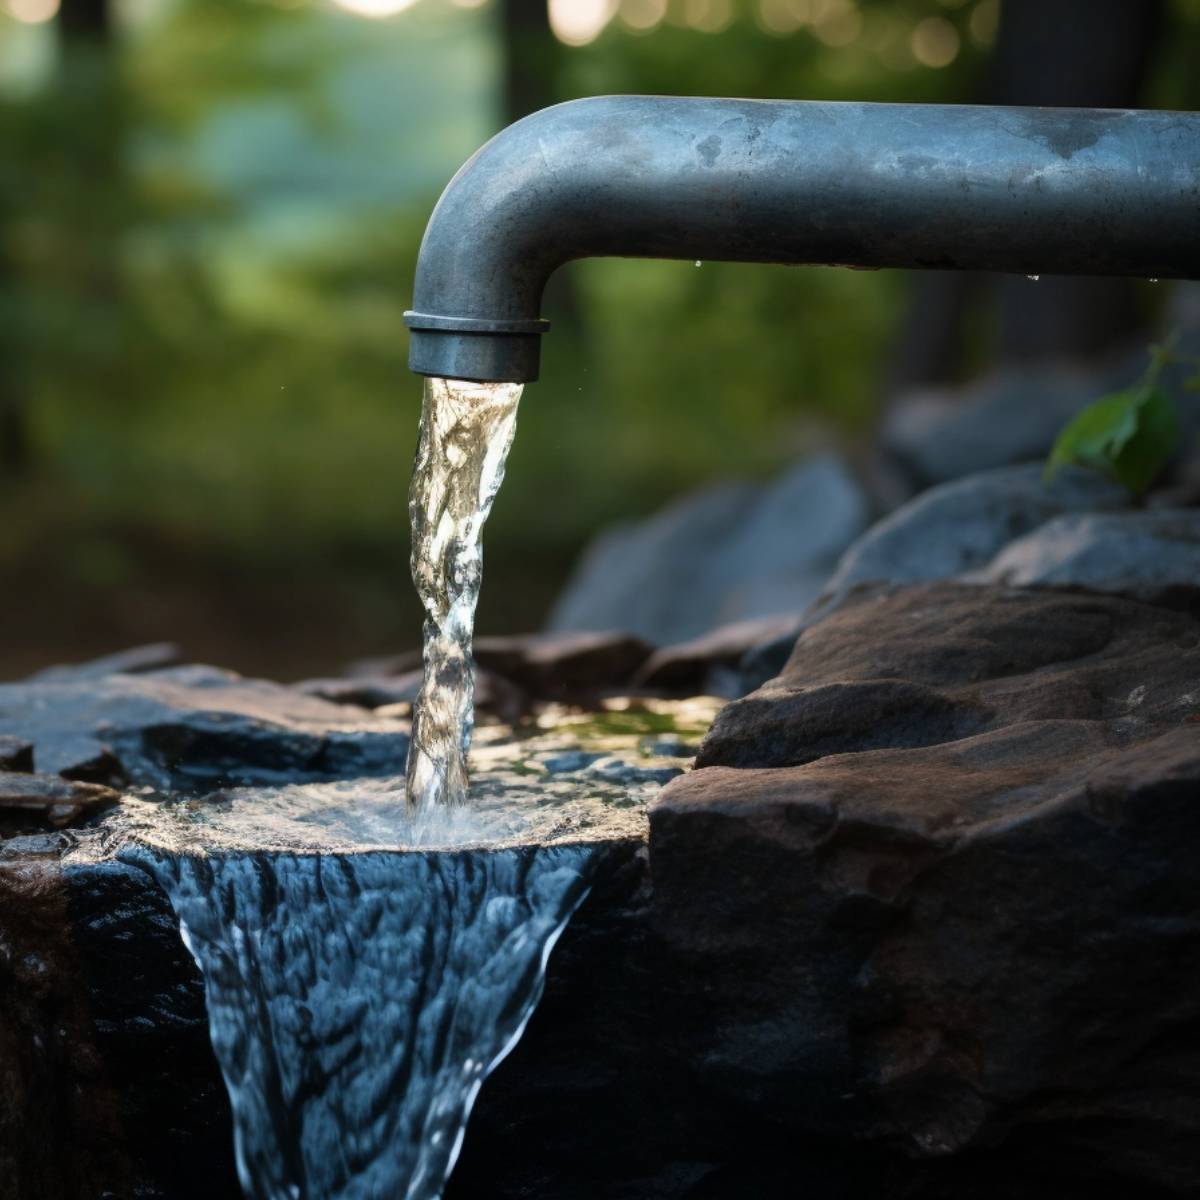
(1079, 54)
(1076, 53)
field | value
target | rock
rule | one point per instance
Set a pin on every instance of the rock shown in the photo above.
(195, 727)
(108, 1086)
(961, 526)
(57, 1113)
(394, 695)
(948, 897)
(727, 553)
(562, 665)
(1152, 555)
(151, 657)
(918, 666)
(707, 665)
(365, 691)
(906, 963)
(1014, 415)
(149, 1035)
(57, 801)
(15, 755)
(404, 663)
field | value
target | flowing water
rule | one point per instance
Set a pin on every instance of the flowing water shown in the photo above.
(357, 1001)
(466, 430)
(372, 949)
(365, 971)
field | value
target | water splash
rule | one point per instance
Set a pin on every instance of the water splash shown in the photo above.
(466, 431)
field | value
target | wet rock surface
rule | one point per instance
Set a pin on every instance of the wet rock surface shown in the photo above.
(922, 925)
(948, 902)
(194, 727)
(50, 798)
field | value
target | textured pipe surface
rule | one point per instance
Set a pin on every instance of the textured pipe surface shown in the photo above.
(1026, 190)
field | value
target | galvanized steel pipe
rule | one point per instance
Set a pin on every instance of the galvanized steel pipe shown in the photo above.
(1029, 190)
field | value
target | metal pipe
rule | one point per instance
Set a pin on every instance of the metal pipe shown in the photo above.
(1028, 190)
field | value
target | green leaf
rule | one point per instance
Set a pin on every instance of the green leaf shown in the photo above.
(1129, 435)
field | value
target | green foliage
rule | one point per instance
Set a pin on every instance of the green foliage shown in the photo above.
(1130, 435)
(202, 286)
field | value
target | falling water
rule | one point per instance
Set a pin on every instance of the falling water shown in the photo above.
(466, 430)
(367, 962)
(357, 1001)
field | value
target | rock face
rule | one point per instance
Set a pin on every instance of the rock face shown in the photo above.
(192, 727)
(948, 899)
(50, 798)
(728, 553)
(923, 925)
(962, 526)
(939, 435)
(1151, 555)
(108, 1086)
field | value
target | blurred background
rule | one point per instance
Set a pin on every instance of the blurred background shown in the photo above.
(209, 215)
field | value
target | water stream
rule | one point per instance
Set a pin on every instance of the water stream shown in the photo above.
(466, 431)
(372, 949)
(365, 970)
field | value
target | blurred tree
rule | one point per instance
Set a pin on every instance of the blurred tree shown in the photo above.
(1073, 53)
(531, 58)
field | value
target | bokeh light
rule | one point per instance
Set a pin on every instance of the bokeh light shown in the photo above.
(935, 42)
(837, 23)
(708, 16)
(577, 22)
(376, 9)
(31, 12)
(643, 15)
(984, 21)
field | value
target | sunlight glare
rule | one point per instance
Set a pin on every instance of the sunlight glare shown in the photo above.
(577, 22)
(31, 12)
(375, 9)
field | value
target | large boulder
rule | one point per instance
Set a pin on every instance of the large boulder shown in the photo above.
(1011, 525)
(1013, 415)
(932, 889)
(962, 526)
(731, 552)
(1151, 555)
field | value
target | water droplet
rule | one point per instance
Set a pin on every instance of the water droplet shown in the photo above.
(699, 263)
(1035, 278)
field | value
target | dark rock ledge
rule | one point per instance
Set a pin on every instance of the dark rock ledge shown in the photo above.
(924, 925)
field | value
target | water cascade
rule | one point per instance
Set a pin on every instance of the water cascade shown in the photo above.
(364, 974)
(369, 956)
